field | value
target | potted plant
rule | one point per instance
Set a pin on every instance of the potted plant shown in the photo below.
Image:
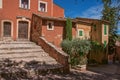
(77, 50)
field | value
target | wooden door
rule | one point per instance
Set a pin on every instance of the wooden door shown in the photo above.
(7, 29)
(23, 30)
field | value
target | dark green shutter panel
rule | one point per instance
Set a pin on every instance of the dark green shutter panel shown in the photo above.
(105, 44)
(105, 30)
(80, 33)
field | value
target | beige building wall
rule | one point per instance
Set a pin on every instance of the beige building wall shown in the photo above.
(105, 37)
(86, 31)
(0, 3)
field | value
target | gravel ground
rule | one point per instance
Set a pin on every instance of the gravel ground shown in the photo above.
(78, 75)
(11, 70)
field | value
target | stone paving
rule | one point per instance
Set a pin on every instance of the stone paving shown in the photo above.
(104, 72)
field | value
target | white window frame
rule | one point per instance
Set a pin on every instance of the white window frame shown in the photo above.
(1, 4)
(22, 7)
(82, 31)
(43, 3)
(48, 25)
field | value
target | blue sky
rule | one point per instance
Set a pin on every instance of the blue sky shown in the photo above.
(82, 8)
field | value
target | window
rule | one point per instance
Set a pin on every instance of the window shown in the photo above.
(0, 3)
(50, 25)
(105, 29)
(7, 29)
(80, 33)
(42, 6)
(25, 4)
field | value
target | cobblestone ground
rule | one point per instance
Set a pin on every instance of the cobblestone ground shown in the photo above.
(104, 72)
(77, 75)
(94, 73)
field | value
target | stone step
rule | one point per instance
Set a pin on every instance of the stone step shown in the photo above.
(47, 60)
(19, 47)
(16, 42)
(37, 54)
(19, 51)
(25, 51)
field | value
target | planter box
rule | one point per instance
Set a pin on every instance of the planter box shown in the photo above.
(80, 67)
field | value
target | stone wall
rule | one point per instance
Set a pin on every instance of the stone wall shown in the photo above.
(36, 28)
(54, 52)
(118, 52)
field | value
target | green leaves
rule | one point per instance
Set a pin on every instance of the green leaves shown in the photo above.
(69, 29)
(77, 49)
(111, 13)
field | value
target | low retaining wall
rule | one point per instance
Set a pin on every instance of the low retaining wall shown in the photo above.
(118, 52)
(57, 54)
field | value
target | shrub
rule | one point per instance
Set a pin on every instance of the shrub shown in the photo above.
(97, 52)
(81, 46)
(66, 46)
(77, 50)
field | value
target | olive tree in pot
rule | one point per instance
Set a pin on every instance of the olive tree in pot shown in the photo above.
(77, 50)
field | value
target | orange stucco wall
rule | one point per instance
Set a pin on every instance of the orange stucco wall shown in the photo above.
(11, 11)
(56, 36)
(58, 11)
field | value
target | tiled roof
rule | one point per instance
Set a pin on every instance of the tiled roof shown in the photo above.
(62, 19)
(51, 18)
(89, 19)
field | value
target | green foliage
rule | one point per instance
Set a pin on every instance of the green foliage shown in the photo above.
(77, 50)
(118, 39)
(81, 46)
(66, 46)
(69, 29)
(97, 53)
(111, 13)
(96, 47)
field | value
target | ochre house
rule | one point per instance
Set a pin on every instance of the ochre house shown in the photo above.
(30, 19)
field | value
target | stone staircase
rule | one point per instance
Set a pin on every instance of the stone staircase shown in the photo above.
(25, 51)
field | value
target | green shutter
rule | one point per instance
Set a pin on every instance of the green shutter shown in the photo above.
(105, 30)
(80, 33)
(105, 44)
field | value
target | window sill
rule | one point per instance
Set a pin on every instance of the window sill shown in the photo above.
(50, 29)
(42, 11)
(105, 34)
(24, 8)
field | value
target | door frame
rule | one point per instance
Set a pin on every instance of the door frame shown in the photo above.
(2, 27)
(26, 20)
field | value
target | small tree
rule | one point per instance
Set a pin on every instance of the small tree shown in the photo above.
(68, 29)
(111, 13)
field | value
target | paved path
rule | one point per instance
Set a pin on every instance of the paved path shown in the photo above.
(103, 72)
(108, 69)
